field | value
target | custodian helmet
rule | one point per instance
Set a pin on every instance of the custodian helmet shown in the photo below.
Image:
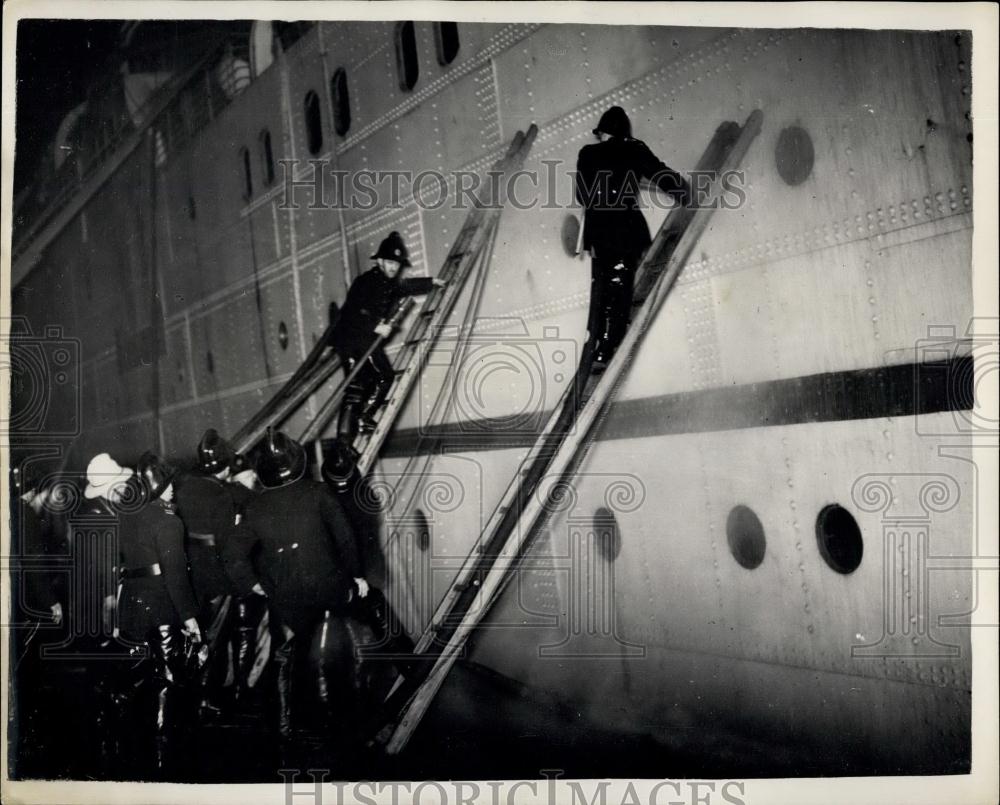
(393, 248)
(615, 122)
(282, 460)
(156, 474)
(214, 452)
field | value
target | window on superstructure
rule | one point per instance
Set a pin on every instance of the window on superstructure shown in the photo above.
(247, 174)
(267, 157)
(341, 101)
(446, 42)
(406, 56)
(314, 123)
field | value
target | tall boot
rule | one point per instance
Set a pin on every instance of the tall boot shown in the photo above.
(215, 672)
(617, 308)
(350, 408)
(250, 611)
(380, 377)
(284, 662)
(167, 651)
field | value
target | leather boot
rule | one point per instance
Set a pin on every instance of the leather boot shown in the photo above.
(215, 673)
(284, 661)
(167, 659)
(250, 611)
(350, 410)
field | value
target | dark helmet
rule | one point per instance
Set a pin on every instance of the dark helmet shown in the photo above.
(214, 452)
(393, 248)
(615, 122)
(282, 460)
(155, 473)
(340, 465)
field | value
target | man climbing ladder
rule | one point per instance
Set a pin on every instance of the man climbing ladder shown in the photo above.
(608, 174)
(371, 300)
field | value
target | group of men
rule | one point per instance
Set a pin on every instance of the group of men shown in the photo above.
(203, 556)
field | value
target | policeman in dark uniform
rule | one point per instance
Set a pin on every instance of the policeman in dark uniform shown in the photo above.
(156, 607)
(35, 606)
(372, 298)
(307, 561)
(33, 538)
(615, 231)
(206, 506)
(244, 486)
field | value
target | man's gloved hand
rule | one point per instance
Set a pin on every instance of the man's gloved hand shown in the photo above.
(362, 587)
(440, 283)
(258, 590)
(383, 329)
(57, 613)
(192, 630)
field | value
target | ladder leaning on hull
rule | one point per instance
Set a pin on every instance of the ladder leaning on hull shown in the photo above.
(554, 457)
(315, 370)
(322, 361)
(465, 253)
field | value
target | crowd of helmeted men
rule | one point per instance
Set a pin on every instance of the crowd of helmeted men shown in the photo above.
(238, 587)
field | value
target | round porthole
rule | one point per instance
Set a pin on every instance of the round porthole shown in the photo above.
(283, 335)
(794, 155)
(570, 234)
(607, 534)
(746, 537)
(839, 538)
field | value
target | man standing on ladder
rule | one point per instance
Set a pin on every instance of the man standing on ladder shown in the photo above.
(615, 232)
(371, 300)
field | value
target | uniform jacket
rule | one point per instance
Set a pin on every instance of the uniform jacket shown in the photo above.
(153, 534)
(208, 510)
(608, 175)
(306, 555)
(372, 297)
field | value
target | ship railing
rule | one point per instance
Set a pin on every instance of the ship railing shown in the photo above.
(176, 112)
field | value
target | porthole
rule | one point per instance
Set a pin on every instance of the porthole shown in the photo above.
(406, 56)
(247, 174)
(314, 123)
(283, 335)
(839, 537)
(341, 102)
(267, 157)
(446, 42)
(607, 534)
(745, 535)
(570, 234)
(794, 155)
